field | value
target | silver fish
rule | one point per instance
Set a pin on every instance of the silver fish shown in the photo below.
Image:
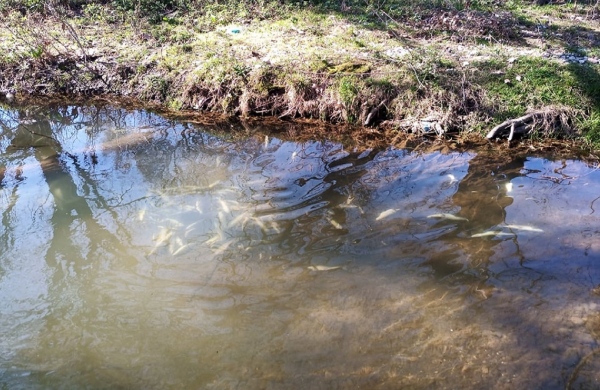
(385, 214)
(525, 228)
(276, 227)
(323, 267)
(212, 240)
(495, 233)
(223, 247)
(224, 206)
(260, 223)
(198, 208)
(335, 223)
(162, 239)
(450, 217)
(182, 249)
(241, 218)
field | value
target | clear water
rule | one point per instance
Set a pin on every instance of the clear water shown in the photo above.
(140, 253)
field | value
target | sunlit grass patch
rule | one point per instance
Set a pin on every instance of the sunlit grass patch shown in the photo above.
(533, 83)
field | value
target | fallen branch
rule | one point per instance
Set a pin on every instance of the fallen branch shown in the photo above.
(522, 125)
(374, 111)
(552, 120)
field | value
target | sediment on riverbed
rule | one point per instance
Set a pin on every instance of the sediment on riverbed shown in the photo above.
(450, 71)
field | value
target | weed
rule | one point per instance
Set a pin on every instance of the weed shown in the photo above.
(347, 90)
(175, 104)
(359, 43)
(159, 87)
(591, 128)
(36, 52)
(97, 12)
(384, 85)
(578, 51)
(241, 70)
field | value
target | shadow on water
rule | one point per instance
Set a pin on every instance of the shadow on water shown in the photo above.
(178, 257)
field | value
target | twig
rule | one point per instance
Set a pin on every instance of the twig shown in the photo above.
(75, 36)
(579, 366)
(592, 205)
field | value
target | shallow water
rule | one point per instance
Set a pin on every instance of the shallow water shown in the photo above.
(140, 253)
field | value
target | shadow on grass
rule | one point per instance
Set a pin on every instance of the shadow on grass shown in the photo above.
(538, 82)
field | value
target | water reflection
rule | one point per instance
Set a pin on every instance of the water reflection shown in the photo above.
(137, 252)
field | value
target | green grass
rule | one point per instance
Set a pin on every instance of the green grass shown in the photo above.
(542, 83)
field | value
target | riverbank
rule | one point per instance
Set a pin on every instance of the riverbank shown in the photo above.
(396, 68)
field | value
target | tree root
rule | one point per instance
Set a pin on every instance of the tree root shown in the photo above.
(548, 121)
(374, 111)
(519, 126)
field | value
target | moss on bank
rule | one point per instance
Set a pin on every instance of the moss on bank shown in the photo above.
(463, 66)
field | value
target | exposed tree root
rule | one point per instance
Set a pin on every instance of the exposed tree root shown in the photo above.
(551, 120)
(374, 112)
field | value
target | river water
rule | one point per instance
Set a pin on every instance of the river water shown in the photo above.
(141, 253)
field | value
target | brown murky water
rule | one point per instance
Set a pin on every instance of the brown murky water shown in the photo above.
(139, 253)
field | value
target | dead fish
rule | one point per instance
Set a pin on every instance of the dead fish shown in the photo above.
(172, 222)
(223, 247)
(260, 223)
(193, 225)
(163, 236)
(385, 214)
(212, 240)
(179, 241)
(242, 217)
(450, 217)
(323, 267)
(222, 191)
(162, 239)
(276, 227)
(193, 228)
(182, 249)
(494, 233)
(335, 223)
(224, 206)
(220, 221)
(524, 228)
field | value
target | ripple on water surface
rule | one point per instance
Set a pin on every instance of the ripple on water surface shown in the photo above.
(136, 252)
